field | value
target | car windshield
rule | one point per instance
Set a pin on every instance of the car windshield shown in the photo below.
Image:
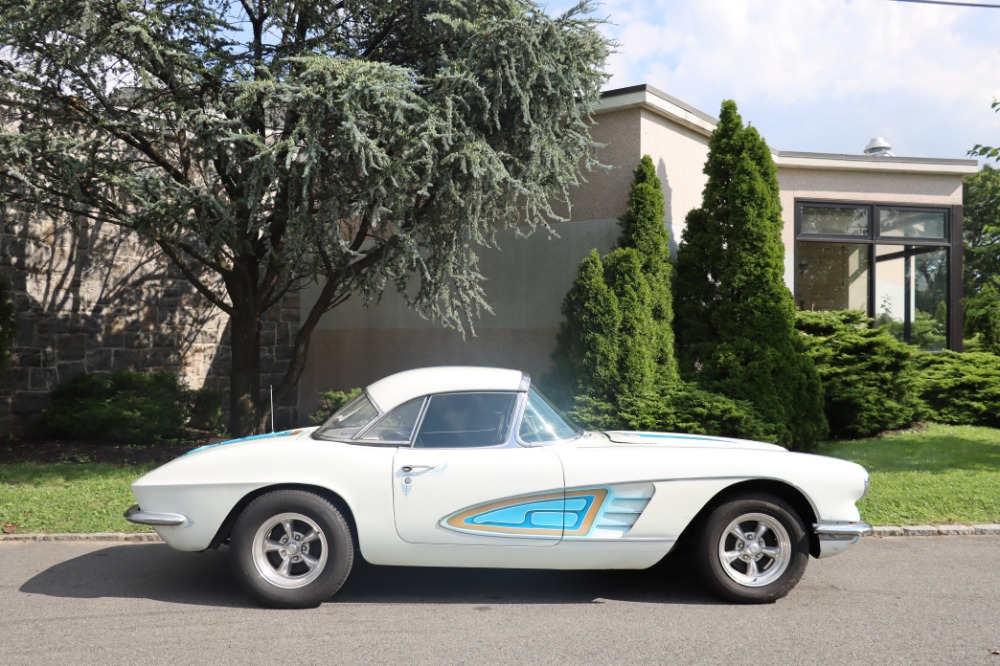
(348, 420)
(543, 422)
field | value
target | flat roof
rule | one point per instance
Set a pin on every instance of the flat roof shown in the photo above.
(649, 98)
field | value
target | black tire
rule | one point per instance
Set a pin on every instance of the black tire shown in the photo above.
(291, 549)
(767, 563)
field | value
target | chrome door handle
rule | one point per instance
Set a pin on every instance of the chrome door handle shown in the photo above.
(406, 469)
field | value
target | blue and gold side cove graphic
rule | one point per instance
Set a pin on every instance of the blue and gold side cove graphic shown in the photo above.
(548, 514)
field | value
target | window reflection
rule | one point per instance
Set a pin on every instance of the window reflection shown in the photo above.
(899, 223)
(911, 289)
(834, 220)
(831, 276)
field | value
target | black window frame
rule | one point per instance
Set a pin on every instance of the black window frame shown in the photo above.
(952, 241)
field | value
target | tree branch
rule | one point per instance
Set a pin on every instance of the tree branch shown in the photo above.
(192, 277)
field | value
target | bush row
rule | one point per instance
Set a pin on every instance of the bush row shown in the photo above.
(132, 407)
(872, 382)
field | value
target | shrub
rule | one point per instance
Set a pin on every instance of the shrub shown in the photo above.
(866, 373)
(329, 402)
(959, 389)
(205, 411)
(129, 407)
(684, 407)
(680, 407)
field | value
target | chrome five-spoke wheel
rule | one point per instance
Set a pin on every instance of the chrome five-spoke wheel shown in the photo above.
(755, 550)
(752, 548)
(291, 549)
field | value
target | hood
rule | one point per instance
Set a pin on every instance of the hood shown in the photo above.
(284, 434)
(682, 440)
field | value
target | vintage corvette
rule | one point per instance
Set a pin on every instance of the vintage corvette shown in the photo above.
(473, 467)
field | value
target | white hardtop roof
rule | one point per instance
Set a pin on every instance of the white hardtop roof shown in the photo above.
(394, 390)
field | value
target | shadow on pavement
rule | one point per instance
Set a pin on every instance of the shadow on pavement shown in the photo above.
(154, 571)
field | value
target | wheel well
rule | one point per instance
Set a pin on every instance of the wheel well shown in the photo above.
(222, 536)
(793, 496)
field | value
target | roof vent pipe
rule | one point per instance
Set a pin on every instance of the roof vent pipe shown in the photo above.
(879, 147)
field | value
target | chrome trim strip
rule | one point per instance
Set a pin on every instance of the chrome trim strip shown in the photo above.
(837, 531)
(525, 382)
(140, 517)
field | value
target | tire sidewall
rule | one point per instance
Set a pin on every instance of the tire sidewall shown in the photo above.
(340, 549)
(708, 549)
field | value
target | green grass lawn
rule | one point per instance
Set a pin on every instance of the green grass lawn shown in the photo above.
(68, 497)
(946, 474)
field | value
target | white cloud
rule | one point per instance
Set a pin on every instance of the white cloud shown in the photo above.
(822, 75)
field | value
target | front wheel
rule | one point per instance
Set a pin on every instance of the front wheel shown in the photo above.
(291, 549)
(753, 549)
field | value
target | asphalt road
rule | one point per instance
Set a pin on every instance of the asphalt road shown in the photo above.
(916, 600)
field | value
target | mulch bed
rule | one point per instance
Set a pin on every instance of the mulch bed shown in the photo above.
(57, 451)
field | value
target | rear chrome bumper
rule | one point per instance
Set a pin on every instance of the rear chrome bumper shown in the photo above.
(140, 517)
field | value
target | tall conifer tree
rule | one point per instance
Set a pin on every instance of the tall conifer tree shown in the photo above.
(643, 229)
(616, 341)
(735, 315)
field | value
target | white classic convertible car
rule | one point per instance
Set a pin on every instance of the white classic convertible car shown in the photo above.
(473, 467)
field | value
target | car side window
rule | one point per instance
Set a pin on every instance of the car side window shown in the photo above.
(397, 425)
(456, 420)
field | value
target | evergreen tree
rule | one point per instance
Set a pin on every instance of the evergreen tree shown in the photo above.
(638, 347)
(263, 146)
(643, 229)
(616, 338)
(735, 315)
(585, 360)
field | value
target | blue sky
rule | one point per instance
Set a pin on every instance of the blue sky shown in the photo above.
(820, 75)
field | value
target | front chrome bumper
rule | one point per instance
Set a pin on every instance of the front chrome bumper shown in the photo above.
(836, 537)
(140, 517)
(841, 531)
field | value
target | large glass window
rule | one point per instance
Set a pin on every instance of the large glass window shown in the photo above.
(834, 220)
(911, 293)
(831, 276)
(895, 269)
(904, 223)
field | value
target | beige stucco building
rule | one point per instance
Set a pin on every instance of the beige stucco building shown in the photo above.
(874, 232)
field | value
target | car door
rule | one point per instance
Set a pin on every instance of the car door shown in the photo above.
(463, 483)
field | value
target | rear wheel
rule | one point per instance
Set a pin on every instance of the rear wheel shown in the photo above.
(291, 549)
(753, 549)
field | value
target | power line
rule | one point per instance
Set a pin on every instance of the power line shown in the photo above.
(952, 3)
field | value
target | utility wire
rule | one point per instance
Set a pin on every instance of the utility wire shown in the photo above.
(952, 3)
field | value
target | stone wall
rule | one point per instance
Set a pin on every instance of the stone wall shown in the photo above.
(92, 297)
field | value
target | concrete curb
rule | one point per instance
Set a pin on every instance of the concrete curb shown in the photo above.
(936, 530)
(121, 537)
(880, 531)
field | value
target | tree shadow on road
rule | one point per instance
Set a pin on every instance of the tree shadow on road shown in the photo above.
(155, 572)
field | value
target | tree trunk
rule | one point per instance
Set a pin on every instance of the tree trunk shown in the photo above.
(244, 373)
